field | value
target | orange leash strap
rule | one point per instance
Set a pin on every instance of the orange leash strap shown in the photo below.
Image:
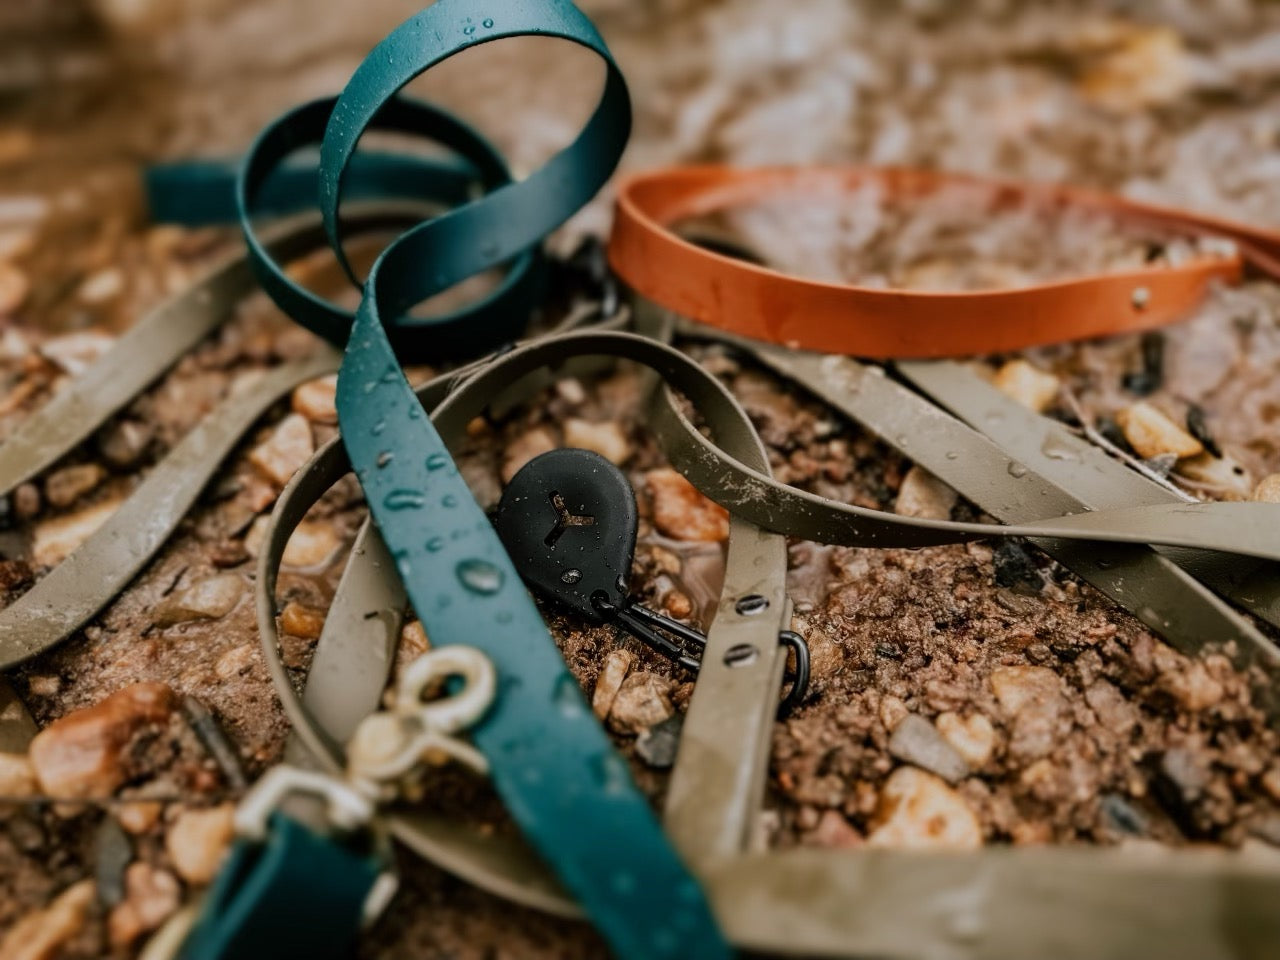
(764, 304)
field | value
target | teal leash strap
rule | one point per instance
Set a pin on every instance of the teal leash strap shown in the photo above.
(202, 193)
(561, 779)
(266, 901)
(563, 783)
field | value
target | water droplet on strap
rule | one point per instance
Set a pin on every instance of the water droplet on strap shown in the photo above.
(572, 575)
(1017, 470)
(480, 576)
(403, 500)
(384, 458)
(568, 696)
(610, 771)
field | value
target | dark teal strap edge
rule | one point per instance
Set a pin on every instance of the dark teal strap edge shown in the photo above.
(266, 902)
(561, 779)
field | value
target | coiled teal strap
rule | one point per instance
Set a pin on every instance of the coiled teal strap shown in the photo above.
(201, 193)
(562, 781)
(559, 775)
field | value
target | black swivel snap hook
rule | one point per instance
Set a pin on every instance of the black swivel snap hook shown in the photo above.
(568, 520)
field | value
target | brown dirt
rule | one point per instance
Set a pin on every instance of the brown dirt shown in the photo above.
(917, 630)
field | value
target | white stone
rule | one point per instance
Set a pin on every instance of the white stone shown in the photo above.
(40, 934)
(101, 287)
(76, 352)
(14, 287)
(1030, 386)
(1151, 433)
(1268, 490)
(973, 737)
(198, 840)
(924, 495)
(523, 449)
(311, 545)
(642, 702)
(207, 599)
(1224, 476)
(55, 538)
(317, 399)
(918, 811)
(606, 439)
(290, 446)
(614, 671)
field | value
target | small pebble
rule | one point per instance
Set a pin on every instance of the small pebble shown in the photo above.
(41, 934)
(75, 352)
(924, 495)
(643, 701)
(208, 599)
(311, 545)
(606, 439)
(85, 753)
(834, 832)
(55, 538)
(1193, 688)
(918, 811)
(14, 287)
(301, 621)
(681, 512)
(617, 664)
(17, 779)
(235, 661)
(826, 656)
(658, 745)
(44, 685)
(139, 817)
(151, 897)
(523, 449)
(1268, 491)
(282, 454)
(677, 604)
(112, 852)
(917, 741)
(102, 287)
(316, 399)
(1119, 818)
(1151, 433)
(64, 487)
(26, 501)
(1225, 475)
(198, 840)
(892, 711)
(973, 738)
(1033, 388)
(124, 442)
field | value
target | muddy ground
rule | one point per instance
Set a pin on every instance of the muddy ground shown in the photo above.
(1075, 723)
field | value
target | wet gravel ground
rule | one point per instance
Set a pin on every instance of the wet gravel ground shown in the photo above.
(1120, 740)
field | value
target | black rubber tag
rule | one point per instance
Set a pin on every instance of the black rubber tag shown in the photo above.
(568, 520)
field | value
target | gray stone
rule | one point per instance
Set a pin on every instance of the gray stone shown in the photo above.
(657, 746)
(916, 741)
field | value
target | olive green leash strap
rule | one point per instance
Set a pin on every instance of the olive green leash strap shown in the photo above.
(561, 779)
(725, 741)
(69, 595)
(1150, 586)
(1100, 481)
(1002, 903)
(1243, 529)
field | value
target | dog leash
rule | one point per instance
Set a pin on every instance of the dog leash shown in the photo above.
(754, 301)
(555, 769)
